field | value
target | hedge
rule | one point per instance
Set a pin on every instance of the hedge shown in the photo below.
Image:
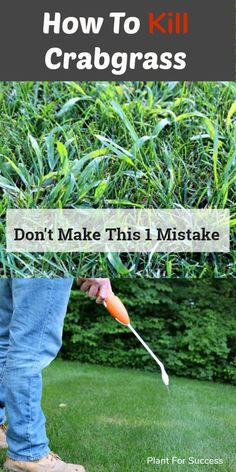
(190, 325)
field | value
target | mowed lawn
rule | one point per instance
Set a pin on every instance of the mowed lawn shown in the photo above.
(111, 420)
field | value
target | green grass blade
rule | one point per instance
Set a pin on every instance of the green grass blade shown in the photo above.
(215, 158)
(231, 112)
(125, 120)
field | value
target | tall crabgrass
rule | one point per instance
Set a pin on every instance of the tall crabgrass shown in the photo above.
(126, 144)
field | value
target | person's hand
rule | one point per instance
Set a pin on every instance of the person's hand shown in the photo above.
(98, 288)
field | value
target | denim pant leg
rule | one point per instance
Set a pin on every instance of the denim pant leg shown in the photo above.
(39, 308)
(5, 318)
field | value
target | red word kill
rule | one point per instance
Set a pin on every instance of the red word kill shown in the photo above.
(169, 23)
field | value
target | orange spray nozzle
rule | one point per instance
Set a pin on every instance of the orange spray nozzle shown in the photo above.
(116, 309)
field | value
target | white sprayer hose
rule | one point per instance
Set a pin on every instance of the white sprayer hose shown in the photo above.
(164, 374)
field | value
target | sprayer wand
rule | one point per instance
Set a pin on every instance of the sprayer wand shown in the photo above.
(116, 309)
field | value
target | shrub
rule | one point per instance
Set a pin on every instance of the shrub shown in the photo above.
(190, 324)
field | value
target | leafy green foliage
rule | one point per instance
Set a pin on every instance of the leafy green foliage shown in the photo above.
(191, 325)
(120, 145)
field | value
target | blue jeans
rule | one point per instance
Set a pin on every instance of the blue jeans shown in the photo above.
(32, 313)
